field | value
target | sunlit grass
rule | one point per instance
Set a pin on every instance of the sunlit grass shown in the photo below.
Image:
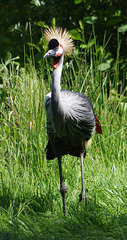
(30, 201)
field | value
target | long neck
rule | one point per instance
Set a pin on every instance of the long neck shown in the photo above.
(56, 76)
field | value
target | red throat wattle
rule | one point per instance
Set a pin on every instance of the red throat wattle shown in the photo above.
(55, 63)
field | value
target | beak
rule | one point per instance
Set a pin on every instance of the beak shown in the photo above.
(50, 53)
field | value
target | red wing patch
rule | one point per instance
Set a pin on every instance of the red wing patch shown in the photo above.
(98, 126)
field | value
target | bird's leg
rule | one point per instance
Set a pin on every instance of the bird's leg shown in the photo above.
(63, 189)
(82, 195)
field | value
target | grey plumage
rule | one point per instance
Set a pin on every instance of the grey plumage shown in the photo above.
(73, 125)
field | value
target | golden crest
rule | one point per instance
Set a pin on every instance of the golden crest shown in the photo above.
(62, 36)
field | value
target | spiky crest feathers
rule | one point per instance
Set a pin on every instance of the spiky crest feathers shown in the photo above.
(62, 36)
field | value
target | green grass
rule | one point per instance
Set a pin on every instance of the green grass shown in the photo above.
(30, 201)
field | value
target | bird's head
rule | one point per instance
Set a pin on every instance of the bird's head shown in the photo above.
(59, 42)
(55, 51)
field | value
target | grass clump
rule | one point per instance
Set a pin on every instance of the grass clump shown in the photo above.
(30, 202)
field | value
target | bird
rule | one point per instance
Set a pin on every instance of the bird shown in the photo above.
(71, 120)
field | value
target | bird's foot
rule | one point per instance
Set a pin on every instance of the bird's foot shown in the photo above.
(83, 196)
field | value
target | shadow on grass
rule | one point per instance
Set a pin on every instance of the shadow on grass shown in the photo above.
(93, 222)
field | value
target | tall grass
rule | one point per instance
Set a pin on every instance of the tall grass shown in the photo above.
(30, 202)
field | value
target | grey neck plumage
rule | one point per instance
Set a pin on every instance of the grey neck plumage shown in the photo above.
(56, 77)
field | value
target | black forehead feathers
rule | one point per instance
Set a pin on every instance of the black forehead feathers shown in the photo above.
(53, 43)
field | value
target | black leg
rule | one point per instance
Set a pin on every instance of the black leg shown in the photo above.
(82, 195)
(63, 189)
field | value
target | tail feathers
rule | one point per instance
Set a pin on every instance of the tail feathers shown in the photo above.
(49, 152)
(98, 126)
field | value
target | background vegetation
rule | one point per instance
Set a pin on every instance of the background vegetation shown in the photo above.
(109, 17)
(30, 202)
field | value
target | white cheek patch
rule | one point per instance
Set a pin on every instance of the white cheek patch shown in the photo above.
(59, 52)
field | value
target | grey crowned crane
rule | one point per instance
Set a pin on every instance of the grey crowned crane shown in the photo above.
(70, 116)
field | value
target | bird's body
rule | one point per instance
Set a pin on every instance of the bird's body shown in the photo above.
(70, 116)
(75, 122)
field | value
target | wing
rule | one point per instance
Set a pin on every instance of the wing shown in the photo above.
(75, 118)
(76, 124)
(79, 115)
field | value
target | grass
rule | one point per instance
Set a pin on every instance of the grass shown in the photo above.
(30, 202)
